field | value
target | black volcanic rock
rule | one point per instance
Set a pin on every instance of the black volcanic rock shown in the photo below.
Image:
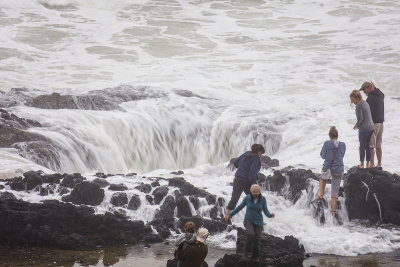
(65, 226)
(51, 178)
(183, 206)
(106, 99)
(173, 263)
(12, 129)
(159, 193)
(187, 188)
(195, 202)
(145, 188)
(167, 208)
(297, 180)
(373, 195)
(32, 179)
(119, 199)
(134, 203)
(155, 184)
(16, 184)
(85, 193)
(150, 199)
(101, 182)
(267, 162)
(6, 195)
(211, 199)
(118, 187)
(274, 251)
(71, 180)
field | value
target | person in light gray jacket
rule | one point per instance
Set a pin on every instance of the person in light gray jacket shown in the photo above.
(365, 127)
(333, 153)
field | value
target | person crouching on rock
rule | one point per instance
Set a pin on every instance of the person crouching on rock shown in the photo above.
(253, 220)
(188, 237)
(195, 253)
(248, 164)
(332, 152)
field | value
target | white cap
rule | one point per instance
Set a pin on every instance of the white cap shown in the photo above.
(202, 234)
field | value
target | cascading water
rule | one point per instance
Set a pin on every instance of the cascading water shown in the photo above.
(166, 132)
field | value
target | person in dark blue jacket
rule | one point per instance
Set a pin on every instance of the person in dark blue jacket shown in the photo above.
(333, 153)
(253, 220)
(248, 164)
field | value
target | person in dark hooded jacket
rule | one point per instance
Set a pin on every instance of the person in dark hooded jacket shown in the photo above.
(248, 164)
(376, 103)
(333, 153)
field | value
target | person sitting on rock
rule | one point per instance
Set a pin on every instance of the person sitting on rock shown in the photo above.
(248, 164)
(332, 152)
(188, 237)
(253, 220)
(195, 253)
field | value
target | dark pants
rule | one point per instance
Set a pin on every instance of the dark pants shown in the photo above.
(365, 138)
(253, 238)
(239, 185)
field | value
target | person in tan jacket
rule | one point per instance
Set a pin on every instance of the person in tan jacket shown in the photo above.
(194, 254)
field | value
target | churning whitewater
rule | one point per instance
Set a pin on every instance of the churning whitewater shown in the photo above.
(191, 84)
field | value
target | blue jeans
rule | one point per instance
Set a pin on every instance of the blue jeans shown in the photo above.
(364, 138)
(178, 263)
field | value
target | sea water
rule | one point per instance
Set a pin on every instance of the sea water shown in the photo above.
(274, 72)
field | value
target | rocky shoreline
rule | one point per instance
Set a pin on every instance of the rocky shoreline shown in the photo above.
(73, 224)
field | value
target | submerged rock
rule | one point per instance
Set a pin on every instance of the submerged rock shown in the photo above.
(101, 182)
(290, 183)
(145, 188)
(134, 203)
(117, 187)
(119, 199)
(159, 193)
(86, 193)
(71, 180)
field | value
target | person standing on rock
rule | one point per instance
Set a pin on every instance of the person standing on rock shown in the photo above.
(188, 237)
(333, 153)
(365, 126)
(195, 253)
(375, 99)
(253, 220)
(248, 164)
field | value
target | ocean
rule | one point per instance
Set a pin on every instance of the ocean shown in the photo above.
(213, 78)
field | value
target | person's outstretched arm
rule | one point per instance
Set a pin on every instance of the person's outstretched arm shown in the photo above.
(239, 208)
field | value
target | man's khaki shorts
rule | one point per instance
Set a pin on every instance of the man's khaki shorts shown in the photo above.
(376, 138)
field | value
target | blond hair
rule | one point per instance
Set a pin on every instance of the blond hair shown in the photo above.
(356, 95)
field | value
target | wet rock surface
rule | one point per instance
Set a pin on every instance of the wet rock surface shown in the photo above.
(119, 199)
(295, 180)
(373, 195)
(86, 193)
(107, 99)
(62, 225)
(134, 203)
(274, 251)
